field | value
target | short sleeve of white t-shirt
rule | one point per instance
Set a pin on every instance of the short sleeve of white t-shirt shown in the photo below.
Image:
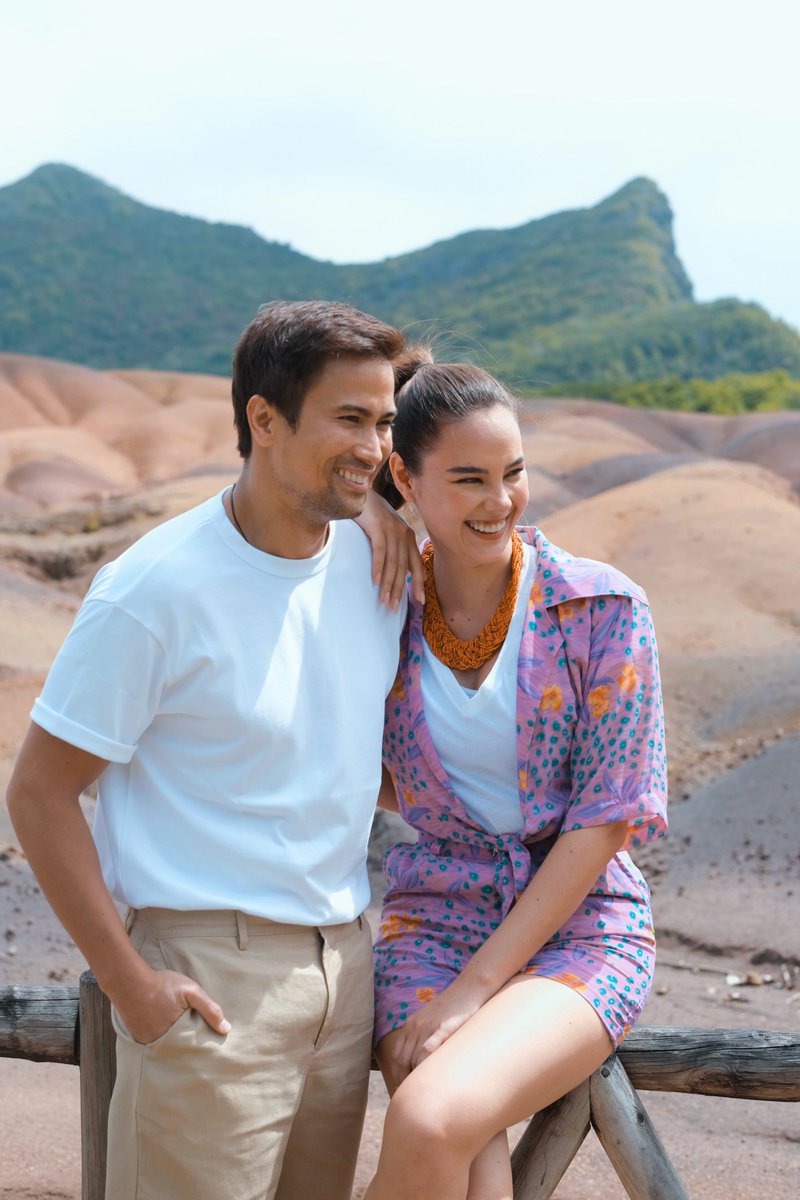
(94, 674)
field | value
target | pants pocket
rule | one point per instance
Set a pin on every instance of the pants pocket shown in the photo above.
(148, 948)
(122, 1031)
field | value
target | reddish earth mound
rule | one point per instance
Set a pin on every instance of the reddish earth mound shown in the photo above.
(92, 433)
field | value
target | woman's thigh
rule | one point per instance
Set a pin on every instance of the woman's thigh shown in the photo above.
(530, 1044)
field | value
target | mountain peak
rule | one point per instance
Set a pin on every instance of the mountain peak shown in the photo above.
(59, 187)
(60, 177)
(643, 197)
(640, 185)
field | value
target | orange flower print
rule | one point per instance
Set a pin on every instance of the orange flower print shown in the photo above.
(565, 611)
(627, 677)
(536, 592)
(409, 798)
(425, 994)
(531, 969)
(551, 697)
(599, 699)
(570, 980)
(397, 691)
(396, 924)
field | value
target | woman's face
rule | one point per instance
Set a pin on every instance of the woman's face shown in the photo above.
(472, 486)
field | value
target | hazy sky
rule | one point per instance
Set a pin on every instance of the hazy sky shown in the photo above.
(359, 130)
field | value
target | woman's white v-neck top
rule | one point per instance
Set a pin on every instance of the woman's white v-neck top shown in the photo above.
(475, 733)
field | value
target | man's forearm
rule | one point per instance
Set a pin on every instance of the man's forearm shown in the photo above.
(44, 805)
(56, 840)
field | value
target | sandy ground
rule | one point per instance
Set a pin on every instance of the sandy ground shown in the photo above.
(701, 510)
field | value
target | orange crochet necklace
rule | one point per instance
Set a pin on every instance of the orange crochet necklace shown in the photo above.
(452, 651)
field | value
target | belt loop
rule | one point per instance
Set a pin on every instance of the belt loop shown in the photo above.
(241, 930)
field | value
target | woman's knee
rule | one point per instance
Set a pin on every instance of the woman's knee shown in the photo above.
(430, 1118)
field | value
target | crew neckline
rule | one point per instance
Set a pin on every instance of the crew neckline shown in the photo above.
(270, 564)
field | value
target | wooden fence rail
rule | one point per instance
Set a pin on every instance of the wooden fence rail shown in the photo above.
(72, 1025)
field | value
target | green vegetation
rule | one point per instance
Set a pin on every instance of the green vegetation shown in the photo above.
(684, 340)
(769, 391)
(90, 275)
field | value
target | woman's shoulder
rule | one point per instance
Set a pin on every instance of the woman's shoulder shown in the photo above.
(561, 576)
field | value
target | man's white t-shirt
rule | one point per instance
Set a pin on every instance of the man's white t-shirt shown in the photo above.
(239, 698)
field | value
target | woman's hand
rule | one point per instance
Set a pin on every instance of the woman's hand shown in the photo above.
(427, 1029)
(394, 551)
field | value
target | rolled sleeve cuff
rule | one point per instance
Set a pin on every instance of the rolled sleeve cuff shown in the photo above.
(645, 817)
(78, 735)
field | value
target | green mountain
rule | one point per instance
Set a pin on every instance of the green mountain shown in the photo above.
(90, 275)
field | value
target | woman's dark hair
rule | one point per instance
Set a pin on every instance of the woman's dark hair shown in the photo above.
(428, 396)
(287, 346)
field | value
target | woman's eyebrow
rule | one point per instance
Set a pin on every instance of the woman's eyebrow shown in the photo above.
(518, 462)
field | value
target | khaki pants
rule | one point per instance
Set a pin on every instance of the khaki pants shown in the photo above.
(273, 1110)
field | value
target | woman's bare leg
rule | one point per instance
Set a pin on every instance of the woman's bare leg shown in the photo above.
(490, 1173)
(532, 1042)
(490, 1170)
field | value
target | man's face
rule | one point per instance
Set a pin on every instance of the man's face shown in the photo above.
(324, 467)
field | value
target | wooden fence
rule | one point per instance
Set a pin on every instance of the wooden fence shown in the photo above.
(72, 1025)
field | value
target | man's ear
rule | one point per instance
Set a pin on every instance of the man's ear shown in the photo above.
(261, 417)
(402, 479)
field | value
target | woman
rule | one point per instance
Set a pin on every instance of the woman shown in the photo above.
(524, 737)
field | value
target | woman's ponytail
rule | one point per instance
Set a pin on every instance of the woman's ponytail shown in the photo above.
(409, 362)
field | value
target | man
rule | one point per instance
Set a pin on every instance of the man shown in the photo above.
(224, 682)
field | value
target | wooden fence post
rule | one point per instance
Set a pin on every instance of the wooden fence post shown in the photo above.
(96, 1057)
(629, 1138)
(549, 1144)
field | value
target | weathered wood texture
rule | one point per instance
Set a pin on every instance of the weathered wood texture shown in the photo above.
(549, 1144)
(39, 1023)
(748, 1064)
(628, 1137)
(98, 1069)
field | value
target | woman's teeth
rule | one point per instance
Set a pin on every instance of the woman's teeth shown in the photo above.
(481, 528)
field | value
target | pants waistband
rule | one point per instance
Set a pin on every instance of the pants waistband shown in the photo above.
(224, 921)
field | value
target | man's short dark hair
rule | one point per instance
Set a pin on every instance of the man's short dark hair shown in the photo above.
(288, 344)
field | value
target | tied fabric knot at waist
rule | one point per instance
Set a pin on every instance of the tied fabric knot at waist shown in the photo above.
(513, 860)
